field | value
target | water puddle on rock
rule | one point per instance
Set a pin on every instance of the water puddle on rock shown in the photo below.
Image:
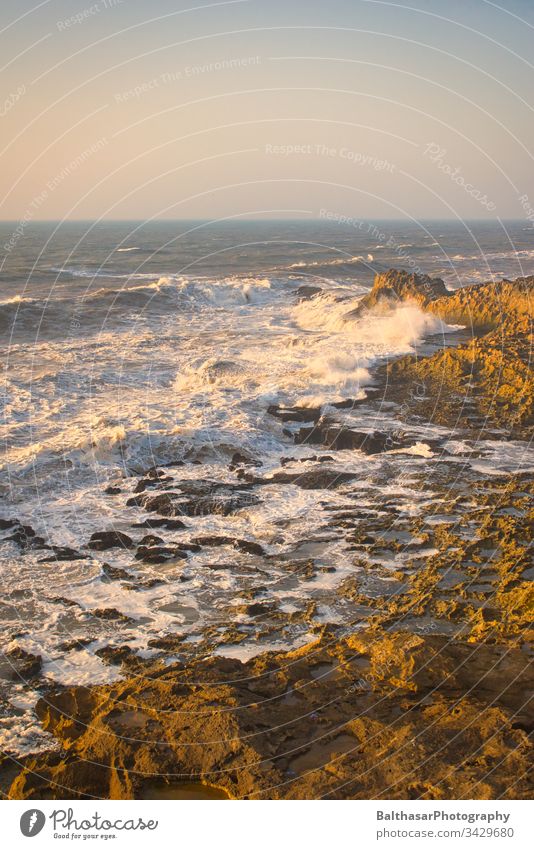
(181, 790)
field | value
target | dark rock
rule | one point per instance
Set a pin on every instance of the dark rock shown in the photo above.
(151, 539)
(305, 293)
(25, 537)
(314, 479)
(239, 459)
(159, 554)
(295, 414)
(167, 524)
(136, 501)
(239, 544)
(5, 524)
(258, 609)
(74, 645)
(165, 503)
(150, 483)
(115, 573)
(224, 503)
(142, 485)
(62, 553)
(249, 547)
(103, 540)
(114, 654)
(154, 473)
(145, 583)
(112, 490)
(111, 613)
(339, 438)
(60, 599)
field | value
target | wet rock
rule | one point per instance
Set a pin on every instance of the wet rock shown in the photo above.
(145, 583)
(295, 414)
(155, 474)
(62, 553)
(151, 483)
(112, 490)
(25, 665)
(220, 504)
(111, 614)
(74, 645)
(167, 524)
(339, 438)
(142, 485)
(169, 642)
(239, 459)
(115, 655)
(240, 544)
(115, 573)
(257, 609)
(5, 524)
(187, 546)
(305, 293)
(104, 540)
(159, 554)
(314, 479)
(60, 599)
(150, 539)
(25, 537)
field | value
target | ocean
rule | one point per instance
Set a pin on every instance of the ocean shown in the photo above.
(128, 346)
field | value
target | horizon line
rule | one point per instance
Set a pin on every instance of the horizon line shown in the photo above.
(234, 220)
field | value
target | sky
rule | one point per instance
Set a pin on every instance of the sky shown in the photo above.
(123, 109)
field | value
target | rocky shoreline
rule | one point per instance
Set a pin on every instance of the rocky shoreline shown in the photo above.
(421, 689)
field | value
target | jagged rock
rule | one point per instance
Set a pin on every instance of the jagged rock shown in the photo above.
(305, 293)
(222, 503)
(24, 665)
(321, 478)
(239, 544)
(239, 459)
(115, 655)
(151, 539)
(159, 554)
(63, 553)
(338, 438)
(295, 414)
(396, 286)
(111, 613)
(115, 573)
(5, 524)
(104, 540)
(167, 524)
(24, 536)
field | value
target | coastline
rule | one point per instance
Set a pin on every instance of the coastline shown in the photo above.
(391, 705)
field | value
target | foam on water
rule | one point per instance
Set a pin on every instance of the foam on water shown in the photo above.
(115, 369)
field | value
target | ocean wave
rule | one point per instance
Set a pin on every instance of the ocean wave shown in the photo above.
(162, 296)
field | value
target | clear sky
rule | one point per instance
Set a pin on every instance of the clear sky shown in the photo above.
(272, 108)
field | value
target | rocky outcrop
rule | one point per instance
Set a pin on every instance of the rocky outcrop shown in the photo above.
(104, 540)
(395, 286)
